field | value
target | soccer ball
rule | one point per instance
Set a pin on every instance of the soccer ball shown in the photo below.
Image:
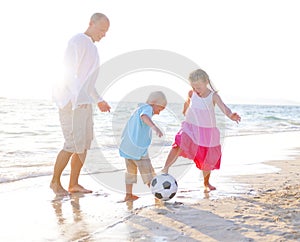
(164, 187)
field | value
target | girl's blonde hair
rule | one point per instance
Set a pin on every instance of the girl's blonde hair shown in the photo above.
(158, 98)
(200, 75)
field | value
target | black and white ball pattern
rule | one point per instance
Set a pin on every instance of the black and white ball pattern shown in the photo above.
(164, 187)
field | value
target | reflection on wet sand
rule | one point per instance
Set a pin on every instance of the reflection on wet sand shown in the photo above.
(72, 223)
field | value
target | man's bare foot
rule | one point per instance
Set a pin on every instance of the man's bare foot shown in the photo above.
(58, 189)
(79, 188)
(208, 188)
(130, 197)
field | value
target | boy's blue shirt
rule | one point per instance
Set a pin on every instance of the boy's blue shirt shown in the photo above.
(137, 135)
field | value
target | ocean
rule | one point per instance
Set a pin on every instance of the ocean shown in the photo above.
(31, 136)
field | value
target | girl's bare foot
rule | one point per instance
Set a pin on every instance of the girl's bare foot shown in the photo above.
(130, 197)
(58, 189)
(79, 188)
(208, 188)
(164, 171)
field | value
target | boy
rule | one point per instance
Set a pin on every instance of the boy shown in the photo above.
(136, 139)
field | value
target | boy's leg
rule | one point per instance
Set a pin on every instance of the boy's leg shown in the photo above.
(129, 196)
(146, 170)
(130, 179)
(172, 157)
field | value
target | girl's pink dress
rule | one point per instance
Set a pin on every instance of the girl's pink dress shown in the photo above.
(199, 138)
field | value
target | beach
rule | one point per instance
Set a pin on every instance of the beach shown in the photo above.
(260, 204)
(269, 212)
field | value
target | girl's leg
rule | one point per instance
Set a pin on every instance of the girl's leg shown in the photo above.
(172, 157)
(207, 186)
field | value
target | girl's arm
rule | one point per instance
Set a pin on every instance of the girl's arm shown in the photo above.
(226, 110)
(187, 102)
(147, 120)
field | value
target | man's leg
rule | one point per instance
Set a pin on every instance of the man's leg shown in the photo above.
(77, 162)
(62, 160)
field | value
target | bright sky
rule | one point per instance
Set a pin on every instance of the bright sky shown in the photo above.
(250, 49)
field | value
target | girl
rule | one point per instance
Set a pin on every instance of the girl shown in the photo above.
(199, 138)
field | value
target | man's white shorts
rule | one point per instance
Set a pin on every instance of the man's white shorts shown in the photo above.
(77, 127)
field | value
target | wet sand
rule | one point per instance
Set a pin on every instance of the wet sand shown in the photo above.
(269, 211)
(263, 205)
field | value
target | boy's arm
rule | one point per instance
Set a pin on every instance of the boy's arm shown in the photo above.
(147, 120)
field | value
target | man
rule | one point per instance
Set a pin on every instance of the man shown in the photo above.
(74, 98)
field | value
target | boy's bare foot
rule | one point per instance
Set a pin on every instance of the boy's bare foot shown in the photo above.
(79, 188)
(58, 189)
(130, 197)
(129, 205)
(158, 203)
